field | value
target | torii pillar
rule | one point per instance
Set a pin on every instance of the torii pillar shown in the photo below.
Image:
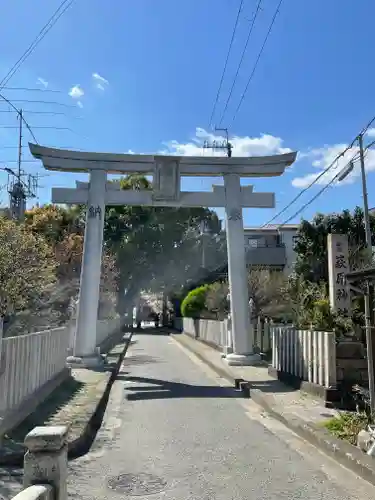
(167, 172)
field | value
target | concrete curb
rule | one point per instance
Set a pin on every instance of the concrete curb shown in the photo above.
(344, 453)
(81, 445)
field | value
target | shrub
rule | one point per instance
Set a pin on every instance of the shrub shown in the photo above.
(347, 425)
(194, 303)
(216, 301)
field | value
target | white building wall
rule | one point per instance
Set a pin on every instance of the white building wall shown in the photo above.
(287, 237)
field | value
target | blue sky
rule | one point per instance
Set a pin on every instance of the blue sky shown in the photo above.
(161, 61)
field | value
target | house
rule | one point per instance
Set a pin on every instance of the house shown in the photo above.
(271, 246)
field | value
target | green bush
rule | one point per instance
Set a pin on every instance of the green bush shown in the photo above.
(347, 425)
(195, 302)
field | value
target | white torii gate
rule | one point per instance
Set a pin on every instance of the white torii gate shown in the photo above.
(167, 172)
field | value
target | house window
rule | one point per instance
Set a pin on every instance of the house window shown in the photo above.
(253, 242)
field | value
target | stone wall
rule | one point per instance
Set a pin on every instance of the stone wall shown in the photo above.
(351, 364)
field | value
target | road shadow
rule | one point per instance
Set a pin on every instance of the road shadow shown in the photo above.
(11, 480)
(139, 359)
(153, 331)
(151, 388)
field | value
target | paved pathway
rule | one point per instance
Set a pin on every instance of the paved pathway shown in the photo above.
(172, 418)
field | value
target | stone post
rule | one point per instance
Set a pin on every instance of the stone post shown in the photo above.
(46, 459)
(242, 335)
(85, 353)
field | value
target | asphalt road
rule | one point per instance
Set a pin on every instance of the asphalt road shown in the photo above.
(174, 430)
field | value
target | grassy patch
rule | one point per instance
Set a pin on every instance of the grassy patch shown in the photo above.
(71, 404)
(347, 425)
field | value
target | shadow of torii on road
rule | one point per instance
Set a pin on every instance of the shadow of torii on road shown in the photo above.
(164, 389)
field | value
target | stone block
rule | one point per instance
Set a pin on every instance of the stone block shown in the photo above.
(51, 438)
(350, 349)
(46, 460)
(352, 364)
(47, 468)
(364, 440)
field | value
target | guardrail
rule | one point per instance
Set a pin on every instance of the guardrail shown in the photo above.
(45, 464)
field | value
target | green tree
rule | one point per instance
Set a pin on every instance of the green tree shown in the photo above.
(311, 244)
(156, 248)
(27, 267)
(63, 229)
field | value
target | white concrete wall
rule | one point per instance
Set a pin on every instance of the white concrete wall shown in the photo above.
(106, 328)
(306, 354)
(28, 362)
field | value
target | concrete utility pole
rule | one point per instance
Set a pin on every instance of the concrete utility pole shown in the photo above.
(20, 117)
(369, 295)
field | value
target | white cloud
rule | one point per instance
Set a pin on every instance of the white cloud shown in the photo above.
(79, 104)
(100, 81)
(371, 132)
(323, 157)
(76, 92)
(242, 146)
(42, 82)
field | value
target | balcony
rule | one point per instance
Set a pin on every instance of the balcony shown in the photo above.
(266, 255)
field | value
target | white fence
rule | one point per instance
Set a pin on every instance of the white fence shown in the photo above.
(216, 332)
(306, 354)
(211, 331)
(28, 362)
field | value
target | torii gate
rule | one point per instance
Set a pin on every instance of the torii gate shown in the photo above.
(167, 172)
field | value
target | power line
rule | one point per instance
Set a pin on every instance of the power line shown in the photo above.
(257, 60)
(241, 61)
(61, 113)
(226, 61)
(324, 188)
(330, 166)
(65, 4)
(311, 184)
(28, 89)
(55, 103)
(356, 157)
(23, 118)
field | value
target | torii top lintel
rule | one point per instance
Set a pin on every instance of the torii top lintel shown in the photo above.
(195, 166)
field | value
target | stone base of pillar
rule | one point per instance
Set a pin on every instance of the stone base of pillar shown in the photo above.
(227, 350)
(243, 359)
(95, 360)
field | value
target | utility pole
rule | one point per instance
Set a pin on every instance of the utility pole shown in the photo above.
(20, 146)
(369, 293)
(226, 145)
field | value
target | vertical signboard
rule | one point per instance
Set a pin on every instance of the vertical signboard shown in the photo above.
(338, 266)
